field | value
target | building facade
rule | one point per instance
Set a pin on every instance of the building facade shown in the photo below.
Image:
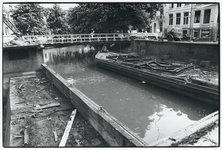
(196, 20)
(8, 27)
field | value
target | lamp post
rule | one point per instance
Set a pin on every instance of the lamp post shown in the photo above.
(191, 14)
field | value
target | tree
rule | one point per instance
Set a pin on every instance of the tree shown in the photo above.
(110, 17)
(29, 18)
(56, 20)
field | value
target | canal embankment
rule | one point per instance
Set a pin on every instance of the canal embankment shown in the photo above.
(199, 53)
(193, 135)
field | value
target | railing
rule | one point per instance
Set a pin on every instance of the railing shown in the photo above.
(77, 38)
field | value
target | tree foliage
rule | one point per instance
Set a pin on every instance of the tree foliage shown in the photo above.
(29, 18)
(110, 17)
(56, 20)
(102, 17)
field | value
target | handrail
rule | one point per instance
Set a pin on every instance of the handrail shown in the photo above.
(71, 38)
(74, 38)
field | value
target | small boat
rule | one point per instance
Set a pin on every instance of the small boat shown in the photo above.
(185, 79)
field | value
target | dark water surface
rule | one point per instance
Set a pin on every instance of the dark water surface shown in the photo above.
(149, 111)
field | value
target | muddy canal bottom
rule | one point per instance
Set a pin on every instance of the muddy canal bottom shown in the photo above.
(149, 111)
(31, 127)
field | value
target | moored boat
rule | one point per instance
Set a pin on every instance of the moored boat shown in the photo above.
(185, 79)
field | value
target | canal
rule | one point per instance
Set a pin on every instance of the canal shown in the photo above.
(149, 111)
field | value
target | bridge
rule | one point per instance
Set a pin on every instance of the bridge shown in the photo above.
(85, 38)
(77, 38)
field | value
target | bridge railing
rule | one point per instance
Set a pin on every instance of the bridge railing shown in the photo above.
(77, 38)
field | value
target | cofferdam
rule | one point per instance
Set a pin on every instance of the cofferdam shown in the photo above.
(149, 111)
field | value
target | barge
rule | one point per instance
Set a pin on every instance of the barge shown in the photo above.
(185, 79)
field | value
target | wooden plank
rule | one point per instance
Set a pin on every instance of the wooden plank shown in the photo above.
(48, 106)
(26, 137)
(67, 130)
(55, 135)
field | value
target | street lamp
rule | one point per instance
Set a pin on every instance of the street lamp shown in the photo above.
(191, 14)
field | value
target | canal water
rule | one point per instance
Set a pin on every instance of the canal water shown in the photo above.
(149, 111)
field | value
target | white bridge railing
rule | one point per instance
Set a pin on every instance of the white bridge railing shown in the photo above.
(76, 38)
(85, 38)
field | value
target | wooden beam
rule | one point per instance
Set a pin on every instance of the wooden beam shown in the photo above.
(48, 106)
(67, 130)
(26, 136)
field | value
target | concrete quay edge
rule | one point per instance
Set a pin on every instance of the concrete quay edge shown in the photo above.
(114, 132)
(186, 135)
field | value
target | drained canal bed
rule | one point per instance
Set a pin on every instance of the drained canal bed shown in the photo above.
(35, 124)
(144, 108)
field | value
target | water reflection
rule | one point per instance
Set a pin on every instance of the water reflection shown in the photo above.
(164, 122)
(149, 111)
(69, 54)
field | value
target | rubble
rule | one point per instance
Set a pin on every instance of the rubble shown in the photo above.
(18, 41)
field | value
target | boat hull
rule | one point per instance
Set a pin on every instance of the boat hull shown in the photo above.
(202, 93)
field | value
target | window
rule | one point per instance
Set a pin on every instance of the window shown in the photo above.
(178, 18)
(207, 16)
(184, 32)
(196, 33)
(161, 25)
(45, 56)
(154, 27)
(6, 31)
(185, 19)
(179, 5)
(205, 33)
(170, 19)
(197, 17)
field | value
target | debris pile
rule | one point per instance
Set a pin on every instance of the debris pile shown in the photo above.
(19, 41)
(198, 73)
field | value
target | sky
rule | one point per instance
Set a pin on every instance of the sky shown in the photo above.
(64, 6)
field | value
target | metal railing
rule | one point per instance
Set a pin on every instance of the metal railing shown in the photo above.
(77, 38)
